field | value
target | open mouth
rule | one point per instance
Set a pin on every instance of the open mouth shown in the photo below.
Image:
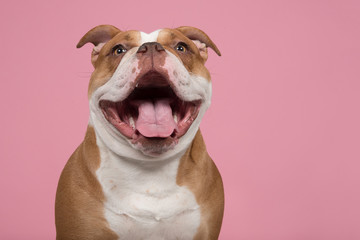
(152, 111)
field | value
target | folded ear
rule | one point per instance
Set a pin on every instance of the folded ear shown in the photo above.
(201, 40)
(98, 36)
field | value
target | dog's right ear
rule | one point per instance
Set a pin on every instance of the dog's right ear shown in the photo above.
(98, 36)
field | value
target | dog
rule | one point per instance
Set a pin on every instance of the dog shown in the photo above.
(142, 170)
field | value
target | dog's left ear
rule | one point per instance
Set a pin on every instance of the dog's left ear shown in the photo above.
(201, 40)
(98, 36)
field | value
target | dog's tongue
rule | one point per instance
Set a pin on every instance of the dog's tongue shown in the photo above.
(155, 118)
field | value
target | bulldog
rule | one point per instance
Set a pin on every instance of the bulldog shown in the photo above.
(142, 170)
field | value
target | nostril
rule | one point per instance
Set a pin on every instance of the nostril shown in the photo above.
(142, 49)
(159, 47)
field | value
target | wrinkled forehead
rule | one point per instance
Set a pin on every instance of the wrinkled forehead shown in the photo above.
(137, 38)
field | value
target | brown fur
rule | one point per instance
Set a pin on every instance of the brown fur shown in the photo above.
(191, 59)
(198, 172)
(106, 63)
(79, 197)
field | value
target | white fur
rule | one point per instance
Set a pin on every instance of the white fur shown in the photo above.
(188, 86)
(143, 200)
(151, 37)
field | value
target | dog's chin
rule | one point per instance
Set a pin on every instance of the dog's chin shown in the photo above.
(154, 147)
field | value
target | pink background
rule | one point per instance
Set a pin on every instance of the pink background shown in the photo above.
(283, 128)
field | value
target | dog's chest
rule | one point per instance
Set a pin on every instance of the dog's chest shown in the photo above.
(143, 201)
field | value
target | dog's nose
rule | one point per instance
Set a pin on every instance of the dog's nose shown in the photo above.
(150, 47)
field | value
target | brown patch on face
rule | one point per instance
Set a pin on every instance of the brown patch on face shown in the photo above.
(192, 60)
(107, 62)
(198, 172)
(79, 209)
(127, 37)
(172, 36)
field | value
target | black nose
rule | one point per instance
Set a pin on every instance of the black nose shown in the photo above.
(150, 47)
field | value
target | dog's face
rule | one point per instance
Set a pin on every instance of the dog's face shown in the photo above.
(148, 92)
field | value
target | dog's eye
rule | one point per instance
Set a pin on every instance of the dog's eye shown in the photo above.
(119, 49)
(181, 47)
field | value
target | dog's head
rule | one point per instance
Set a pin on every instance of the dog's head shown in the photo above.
(148, 92)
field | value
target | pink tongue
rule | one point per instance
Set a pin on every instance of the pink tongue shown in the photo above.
(155, 118)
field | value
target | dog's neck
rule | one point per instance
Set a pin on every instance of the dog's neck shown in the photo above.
(134, 187)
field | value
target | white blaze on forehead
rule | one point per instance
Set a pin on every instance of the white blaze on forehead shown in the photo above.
(151, 37)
